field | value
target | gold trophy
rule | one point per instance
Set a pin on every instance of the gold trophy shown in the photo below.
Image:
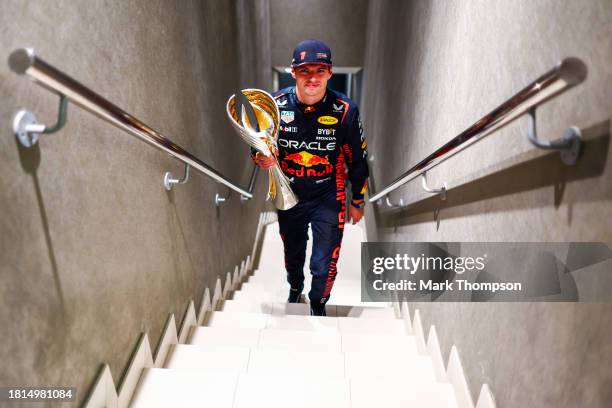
(264, 141)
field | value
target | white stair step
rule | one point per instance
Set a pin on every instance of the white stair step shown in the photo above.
(400, 393)
(264, 287)
(342, 324)
(296, 309)
(373, 326)
(276, 275)
(391, 364)
(346, 287)
(278, 279)
(279, 296)
(308, 323)
(246, 306)
(260, 297)
(347, 296)
(288, 339)
(355, 302)
(160, 387)
(382, 312)
(274, 308)
(303, 309)
(268, 276)
(353, 342)
(209, 358)
(299, 340)
(278, 391)
(262, 294)
(238, 320)
(225, 336)
(311, 364)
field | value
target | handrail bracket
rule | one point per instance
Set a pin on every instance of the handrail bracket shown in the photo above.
(400, 204)
(169, 182)
(219, 199)
(569, 145)
(441, 190)
(28, 130)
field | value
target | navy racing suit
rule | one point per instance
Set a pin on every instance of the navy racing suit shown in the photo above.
(315, 144)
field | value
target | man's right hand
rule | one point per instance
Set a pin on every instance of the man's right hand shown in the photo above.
(264, 162)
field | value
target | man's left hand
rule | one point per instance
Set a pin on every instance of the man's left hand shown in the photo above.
(355, 214)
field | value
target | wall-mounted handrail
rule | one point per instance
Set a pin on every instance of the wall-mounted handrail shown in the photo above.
(569, 72)
(25, 62)
(254, 174)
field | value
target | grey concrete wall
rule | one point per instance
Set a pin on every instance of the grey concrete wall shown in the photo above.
(432, 68)
(340, 23)
(93, 250)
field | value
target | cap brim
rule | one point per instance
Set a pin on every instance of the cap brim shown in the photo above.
(311, 63)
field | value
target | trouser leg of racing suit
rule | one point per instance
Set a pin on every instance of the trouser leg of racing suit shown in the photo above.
(325, 215)
(326, 241)
(293, 226)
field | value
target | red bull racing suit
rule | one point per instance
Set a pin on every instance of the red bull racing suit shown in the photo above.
(316, 143)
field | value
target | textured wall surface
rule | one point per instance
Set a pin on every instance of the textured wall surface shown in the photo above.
(340, 23)
(93, 250)
(432, 68)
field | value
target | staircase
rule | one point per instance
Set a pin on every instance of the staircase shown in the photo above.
(255, 350)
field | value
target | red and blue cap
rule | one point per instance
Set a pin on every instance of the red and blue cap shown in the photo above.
(311, 52)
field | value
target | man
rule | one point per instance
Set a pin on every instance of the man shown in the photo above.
(320, 133)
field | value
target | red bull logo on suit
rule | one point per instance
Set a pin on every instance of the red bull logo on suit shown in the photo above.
(306, 159)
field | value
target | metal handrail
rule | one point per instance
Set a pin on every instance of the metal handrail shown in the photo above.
(569, 72)
(25, 62)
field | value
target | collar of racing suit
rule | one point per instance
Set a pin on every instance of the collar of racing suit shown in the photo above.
(310, 108)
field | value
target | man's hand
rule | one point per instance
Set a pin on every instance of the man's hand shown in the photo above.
(355, 214)
(264, 162)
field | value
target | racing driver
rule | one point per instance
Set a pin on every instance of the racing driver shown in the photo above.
(320, 134)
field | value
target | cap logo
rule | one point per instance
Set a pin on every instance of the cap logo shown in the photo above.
(321, 55)
(302, 55)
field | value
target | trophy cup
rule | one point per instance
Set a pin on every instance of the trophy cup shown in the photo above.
(264, 141)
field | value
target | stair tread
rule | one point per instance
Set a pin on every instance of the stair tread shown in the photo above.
(229, 336)
(389, 364)
(216, 358)
(311, 323)
(400, 393)
(380, 312)
(299, 339)
(377, 342)
(273, 284)
(247, 305)
(187, 388)
(304, 361)
(242, 320)
(254, 391)
(318, 364)
(160, 387)
(376, 326)
(351, 299)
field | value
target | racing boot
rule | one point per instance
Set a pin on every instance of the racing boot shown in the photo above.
(317, 310)
(295, 295)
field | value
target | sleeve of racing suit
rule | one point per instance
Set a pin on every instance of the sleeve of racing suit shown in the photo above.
(355, 152)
